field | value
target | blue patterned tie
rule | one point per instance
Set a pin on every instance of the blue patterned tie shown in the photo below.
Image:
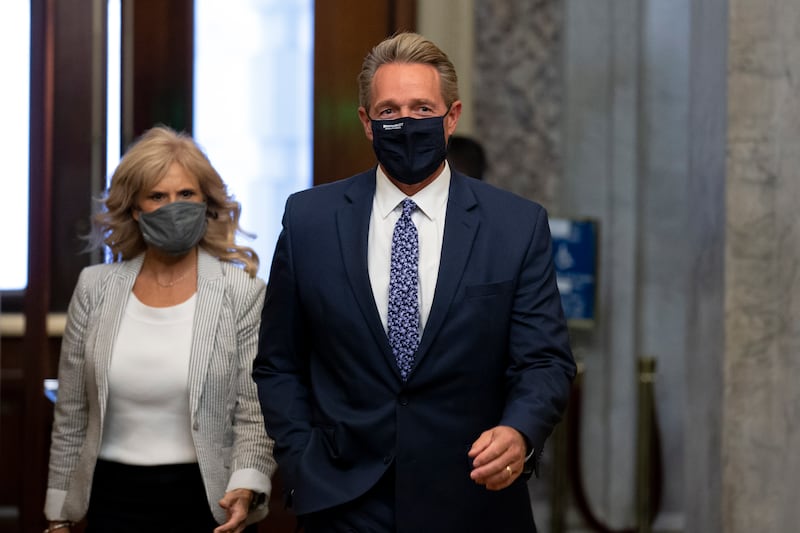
(403, 317)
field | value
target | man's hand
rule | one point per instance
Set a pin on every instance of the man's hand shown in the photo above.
(236, 504)
(498, 457)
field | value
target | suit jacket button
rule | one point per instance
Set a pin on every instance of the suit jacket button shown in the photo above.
(403, 400)
(387, 459)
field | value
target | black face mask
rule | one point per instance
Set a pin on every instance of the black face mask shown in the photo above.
(410, 149)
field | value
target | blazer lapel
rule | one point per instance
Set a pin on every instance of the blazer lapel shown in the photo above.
(210, 296)
(353, 225)
(461, 226)
(109, 320)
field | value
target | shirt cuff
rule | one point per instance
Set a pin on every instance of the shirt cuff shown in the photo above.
(250, 478)
(54, 504)
(530, 454)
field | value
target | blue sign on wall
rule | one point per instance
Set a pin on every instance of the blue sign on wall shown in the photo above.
(575, 259)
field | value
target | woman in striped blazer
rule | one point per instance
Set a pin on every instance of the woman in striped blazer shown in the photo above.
(157, 425)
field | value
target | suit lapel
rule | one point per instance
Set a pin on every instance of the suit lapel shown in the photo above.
(461, 226)
(353, 225)
(210, 297)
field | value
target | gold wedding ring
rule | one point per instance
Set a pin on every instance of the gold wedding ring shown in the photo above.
(510, 472)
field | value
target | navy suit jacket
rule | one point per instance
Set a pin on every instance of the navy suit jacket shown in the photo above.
(494, 351)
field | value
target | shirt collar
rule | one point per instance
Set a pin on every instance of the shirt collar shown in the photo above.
(429, 200)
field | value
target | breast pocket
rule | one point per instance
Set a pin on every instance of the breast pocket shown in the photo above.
(485, 313)
(488, 289)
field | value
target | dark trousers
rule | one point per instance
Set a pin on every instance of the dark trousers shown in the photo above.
(163, 498)
(372, 512)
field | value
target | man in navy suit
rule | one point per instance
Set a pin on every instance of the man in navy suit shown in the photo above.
(441, 436)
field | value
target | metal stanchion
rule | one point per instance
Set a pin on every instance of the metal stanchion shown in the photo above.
(558, 501)
(562, 445)
(648, 460)
(644, 446)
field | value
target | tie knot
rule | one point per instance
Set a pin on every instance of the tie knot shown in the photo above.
(408, 207)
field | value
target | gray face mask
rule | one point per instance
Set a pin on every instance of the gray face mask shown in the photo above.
(175, 228)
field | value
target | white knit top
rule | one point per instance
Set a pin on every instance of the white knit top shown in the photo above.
(147, 417)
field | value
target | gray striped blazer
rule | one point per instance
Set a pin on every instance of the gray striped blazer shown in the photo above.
(227, 424)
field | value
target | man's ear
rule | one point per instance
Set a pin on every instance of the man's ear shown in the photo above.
(451, 120)
(365, 121)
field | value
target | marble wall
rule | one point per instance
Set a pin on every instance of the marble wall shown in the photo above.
(676, 125)
(626, 160)
(602, 161)
(761, 406)
(705, 353)
(517, 91)
(583, 106)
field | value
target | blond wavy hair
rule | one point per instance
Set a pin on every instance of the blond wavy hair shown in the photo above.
(144, 164)
(407, 47)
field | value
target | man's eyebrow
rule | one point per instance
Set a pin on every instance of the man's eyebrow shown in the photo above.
(385, 103)
(412, 103)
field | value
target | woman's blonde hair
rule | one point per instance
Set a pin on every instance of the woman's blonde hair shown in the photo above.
(407, 47)
(144, 164)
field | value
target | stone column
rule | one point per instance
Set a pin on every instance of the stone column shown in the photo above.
(602, 161)
(761, 409)
(705, 342)
(518, 94)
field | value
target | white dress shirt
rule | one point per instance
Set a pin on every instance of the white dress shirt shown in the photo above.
(429, 218)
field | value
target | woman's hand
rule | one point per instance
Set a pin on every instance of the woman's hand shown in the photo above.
(236, 504)
(58, 526)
